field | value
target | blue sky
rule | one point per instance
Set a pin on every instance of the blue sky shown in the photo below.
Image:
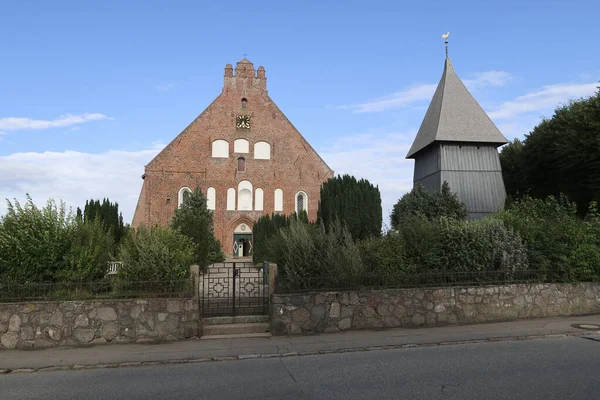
(91, 91)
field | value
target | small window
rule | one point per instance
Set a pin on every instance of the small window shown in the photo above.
(301, 202)
(184, 195)
(244, 102)
(241, 164)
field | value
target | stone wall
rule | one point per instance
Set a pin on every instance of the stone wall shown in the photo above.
(75, 323)
(338, 311)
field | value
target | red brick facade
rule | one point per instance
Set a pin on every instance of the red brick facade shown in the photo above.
(188, 161)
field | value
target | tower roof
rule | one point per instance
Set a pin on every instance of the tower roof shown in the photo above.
(455, 116)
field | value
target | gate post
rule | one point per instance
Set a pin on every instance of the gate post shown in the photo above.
(272, 284)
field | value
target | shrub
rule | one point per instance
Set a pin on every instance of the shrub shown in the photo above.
(484, 245)
(308, 253)
(385, 254)
(155, 254)
(550, 229)
(431, 205)
(91, 249)
(421, 243)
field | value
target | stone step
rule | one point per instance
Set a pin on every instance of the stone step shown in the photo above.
(241, 319)
(237, 335)
(234, 329)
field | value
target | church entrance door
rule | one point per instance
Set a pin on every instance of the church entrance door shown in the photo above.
(242, 241)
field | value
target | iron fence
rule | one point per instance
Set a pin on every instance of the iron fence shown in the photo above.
(376, 281)
(105, 289)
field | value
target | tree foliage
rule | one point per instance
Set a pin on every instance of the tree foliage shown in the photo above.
(356, 203)
(195, 220)
(560, 155)
(431, 205)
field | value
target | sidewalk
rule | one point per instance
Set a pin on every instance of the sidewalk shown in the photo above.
(196, 350)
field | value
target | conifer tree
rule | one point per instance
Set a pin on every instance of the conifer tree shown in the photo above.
(356, 203)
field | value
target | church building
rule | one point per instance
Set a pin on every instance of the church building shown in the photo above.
(246, 157)
(457, 143)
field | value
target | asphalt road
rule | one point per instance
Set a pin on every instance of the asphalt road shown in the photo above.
(567, 368)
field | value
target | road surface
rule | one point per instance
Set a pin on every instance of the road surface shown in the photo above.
(566, 368)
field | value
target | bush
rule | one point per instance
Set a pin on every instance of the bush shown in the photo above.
(308, 252)
(550, 228)
(155, 254)
(431, 205)
(91, 249)
(421, 243)
(385, 254)
(480, 246)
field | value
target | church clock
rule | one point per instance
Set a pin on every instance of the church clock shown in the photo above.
(242, 121)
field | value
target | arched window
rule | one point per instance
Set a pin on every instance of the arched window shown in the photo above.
(220, 148)
(241, 164)
(278, 200)
(244, 102)
(258, 199)
(241, 146)
(231, 199)
(183, 196)
(301, 202)
(244, 195)
(262, 151)
(211, 200)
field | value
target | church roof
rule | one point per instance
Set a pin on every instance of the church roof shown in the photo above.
(454, 115)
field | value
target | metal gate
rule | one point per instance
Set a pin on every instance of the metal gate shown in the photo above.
(235, 288)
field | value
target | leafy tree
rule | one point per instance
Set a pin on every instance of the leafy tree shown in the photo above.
(33, 241)
(431, 205)
(560, 155)
(356, 203)
(195, 220)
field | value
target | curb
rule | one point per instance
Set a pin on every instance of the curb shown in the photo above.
(131, 364)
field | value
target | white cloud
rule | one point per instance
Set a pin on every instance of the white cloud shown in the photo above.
(74, 177)
(425, 92)
(14, 123)
(378, 158)
(545, 99)
(165, 86)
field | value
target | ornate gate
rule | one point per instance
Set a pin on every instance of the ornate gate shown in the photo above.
(235, 288)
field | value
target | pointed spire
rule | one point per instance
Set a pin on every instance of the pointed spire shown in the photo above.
(454, 116)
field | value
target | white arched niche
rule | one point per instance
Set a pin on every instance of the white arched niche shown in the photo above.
(241, 146)
(211, 198)
(262, 151)
(220, 149)
(231, 199)
(244, 196)
(259, 199)
(278, 200)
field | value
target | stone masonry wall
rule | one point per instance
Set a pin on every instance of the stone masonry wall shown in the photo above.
(338, 311)
(74, 323)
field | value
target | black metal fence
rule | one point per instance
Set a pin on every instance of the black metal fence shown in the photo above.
(105, 289)
(376, 281)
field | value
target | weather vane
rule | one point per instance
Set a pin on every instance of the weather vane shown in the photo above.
(445, 36)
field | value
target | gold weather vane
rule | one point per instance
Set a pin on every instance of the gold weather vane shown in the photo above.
(445, 36)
